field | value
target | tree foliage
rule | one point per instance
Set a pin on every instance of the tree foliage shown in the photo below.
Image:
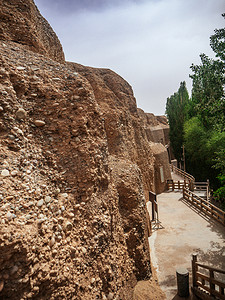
(203, 147)
(217, 42)
(208, 92)
(199, 122)
(176, 114)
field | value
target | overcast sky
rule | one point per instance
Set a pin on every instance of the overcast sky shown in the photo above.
(150, 43)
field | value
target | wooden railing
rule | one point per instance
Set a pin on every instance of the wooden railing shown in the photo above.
(193, 186)
(202, 187)
(177, 185)
(204, 206)
(182, 173)
(206, 286)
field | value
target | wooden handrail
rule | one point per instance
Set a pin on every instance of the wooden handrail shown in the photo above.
(177, 185)
(182, 173)
(205, 206)
(210, 268)
(208, 283)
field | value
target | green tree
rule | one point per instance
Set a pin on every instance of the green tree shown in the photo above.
(199, 122)
(217, 42)
(208, 92)
(195, 139)
(219, 161)
(202, 149)
(208, 98)
(176, 111)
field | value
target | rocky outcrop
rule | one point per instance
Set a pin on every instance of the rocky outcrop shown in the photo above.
(64, 231)
(76, 165)
(157, 133)
(156, 127)
(21, 22)
(128, 136)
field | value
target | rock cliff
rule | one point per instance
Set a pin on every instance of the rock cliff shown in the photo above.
(76, 165)
(129, 130)
(21, 22)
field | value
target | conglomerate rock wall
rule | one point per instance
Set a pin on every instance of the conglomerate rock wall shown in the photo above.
(21, 22)
(126, 131)
(75, 169)
(64, 228)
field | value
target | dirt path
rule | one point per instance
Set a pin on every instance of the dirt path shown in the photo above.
(185, 232)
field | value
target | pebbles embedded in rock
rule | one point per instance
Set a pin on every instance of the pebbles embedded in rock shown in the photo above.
(84, 250)
(40, 203)
(14, 172)
(39, 123)
(5, 172)
(18, 130)
(54, 252)
(20, 68)
(110, 296)
(70, 215)
(59, 227)
(48, 199)
(52, 241)
(92, 280)
(9, 216)
(64, 195)
(57, 190)
(59, 237)
(21, 114)
(68, 226)
(40, 221)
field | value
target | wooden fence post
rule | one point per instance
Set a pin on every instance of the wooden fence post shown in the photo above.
(207, 190)
(194, 270)
(192, 185)
(212, 285)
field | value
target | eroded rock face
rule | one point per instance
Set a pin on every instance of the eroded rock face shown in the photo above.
(157, 133)
(156, 127)
(62, 199)
(21, 22)
(129, 130)
(76, 165)
(118, 105)
(132, 207)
